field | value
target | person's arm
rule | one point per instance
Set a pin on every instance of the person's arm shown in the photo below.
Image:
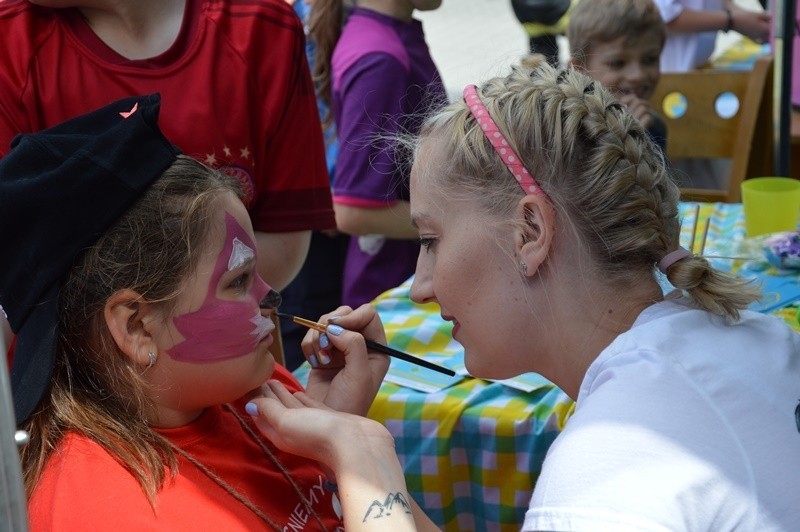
(695, 21)
(281, 255)
(369, 167)
(290, 187)
(393, 221)
(753, 24)
(359, 451)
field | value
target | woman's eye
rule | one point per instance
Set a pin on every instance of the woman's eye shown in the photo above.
(427, 243)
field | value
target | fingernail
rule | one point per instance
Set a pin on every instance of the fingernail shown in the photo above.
(252, 409)
(323, 341)
(324, 358)
(313, 361)
(333, 318)
(335, 330)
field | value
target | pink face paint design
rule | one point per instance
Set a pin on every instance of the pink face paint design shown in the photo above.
(221, 329)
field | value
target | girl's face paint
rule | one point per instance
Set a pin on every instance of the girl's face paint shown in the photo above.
(226, 328)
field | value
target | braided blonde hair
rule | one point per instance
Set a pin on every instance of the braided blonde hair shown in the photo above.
(601, 171)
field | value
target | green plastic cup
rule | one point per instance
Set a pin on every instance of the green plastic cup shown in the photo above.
(771, 204)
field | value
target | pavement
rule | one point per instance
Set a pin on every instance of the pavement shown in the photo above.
(472, 40)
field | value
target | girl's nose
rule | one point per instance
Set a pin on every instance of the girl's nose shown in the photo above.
(272, 301)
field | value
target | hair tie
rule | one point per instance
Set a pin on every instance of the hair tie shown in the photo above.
(499, 142)
(673, 257)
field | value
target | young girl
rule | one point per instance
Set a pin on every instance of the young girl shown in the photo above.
(544, 210)
(379, 79)
(143, 327)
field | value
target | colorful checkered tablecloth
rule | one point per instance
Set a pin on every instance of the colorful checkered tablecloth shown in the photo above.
(728, 248)
(472, 449)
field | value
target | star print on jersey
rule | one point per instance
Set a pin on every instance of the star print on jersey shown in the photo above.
(241, 167)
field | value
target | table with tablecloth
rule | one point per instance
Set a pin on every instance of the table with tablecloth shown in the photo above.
(472, 449)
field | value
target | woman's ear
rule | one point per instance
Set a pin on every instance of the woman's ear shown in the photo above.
(536, 218)
(127, 315)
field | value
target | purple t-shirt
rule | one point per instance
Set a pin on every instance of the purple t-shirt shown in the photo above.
(384, 83)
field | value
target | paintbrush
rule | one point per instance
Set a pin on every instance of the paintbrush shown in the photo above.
(374, 346)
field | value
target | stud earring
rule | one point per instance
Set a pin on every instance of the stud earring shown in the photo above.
(152, 359)
(524, 268)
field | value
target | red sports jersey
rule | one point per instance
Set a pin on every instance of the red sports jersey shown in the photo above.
(235, 88)
(85, 488)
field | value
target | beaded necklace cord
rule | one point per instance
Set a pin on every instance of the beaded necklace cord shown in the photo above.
(240, 496)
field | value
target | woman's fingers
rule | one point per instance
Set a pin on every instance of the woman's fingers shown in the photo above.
(274, 389)
(316, 346)
(364, 320)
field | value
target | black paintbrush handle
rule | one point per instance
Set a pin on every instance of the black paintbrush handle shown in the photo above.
(375, 346)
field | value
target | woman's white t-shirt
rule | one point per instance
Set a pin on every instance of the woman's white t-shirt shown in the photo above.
(684, 422)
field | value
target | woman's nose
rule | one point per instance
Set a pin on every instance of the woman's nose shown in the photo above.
(272, 301)
(421, 288)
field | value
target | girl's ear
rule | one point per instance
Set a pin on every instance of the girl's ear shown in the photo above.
(127, 316)
(536, 230)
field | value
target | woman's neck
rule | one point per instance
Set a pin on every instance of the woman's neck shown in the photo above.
(588, 321)
(399, 9)
(138, 29)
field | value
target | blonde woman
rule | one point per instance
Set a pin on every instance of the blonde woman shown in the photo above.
(544, 211)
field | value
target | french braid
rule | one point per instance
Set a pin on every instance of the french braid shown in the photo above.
(598, 166)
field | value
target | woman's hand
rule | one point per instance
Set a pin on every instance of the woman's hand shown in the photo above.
(358, 451)
(344, 375)
(298, 424)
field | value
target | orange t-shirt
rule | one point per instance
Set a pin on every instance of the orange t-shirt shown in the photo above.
(84, 488)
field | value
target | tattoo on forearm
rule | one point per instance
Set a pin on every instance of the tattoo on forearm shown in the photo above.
(394, 502)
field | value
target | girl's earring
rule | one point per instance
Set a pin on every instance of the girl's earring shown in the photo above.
(524, 268)
(152, 359)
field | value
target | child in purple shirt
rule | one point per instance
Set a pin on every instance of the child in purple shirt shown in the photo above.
(380, 81)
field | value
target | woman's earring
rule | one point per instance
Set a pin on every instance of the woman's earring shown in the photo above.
(152, 359)
(524, 268)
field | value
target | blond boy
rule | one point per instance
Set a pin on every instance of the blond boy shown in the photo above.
(618, 43)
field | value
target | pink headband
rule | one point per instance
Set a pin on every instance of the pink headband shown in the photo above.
(500, 144)
(673, 257)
